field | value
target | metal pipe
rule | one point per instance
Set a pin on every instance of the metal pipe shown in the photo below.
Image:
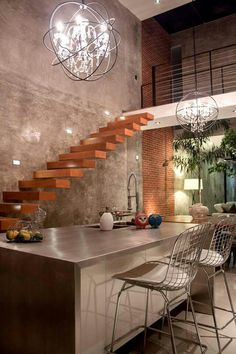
(136, 196)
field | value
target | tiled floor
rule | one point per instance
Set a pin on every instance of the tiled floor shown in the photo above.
(155, 346)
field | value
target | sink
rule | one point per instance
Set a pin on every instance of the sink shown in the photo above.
(116, 225)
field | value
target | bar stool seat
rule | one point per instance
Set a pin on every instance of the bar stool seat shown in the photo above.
(153, 276)
(211, 258)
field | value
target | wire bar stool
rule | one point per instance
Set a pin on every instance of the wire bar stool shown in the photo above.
(175, 274)
(215, 256)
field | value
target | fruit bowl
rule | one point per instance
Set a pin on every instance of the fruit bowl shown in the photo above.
(24, 231)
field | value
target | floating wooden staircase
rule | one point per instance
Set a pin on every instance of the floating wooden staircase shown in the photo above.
(70, 165)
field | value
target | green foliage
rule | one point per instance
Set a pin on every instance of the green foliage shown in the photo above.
(192, 151)
(220, 157)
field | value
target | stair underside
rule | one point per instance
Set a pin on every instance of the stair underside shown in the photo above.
(18, 208)
(147, 116)
(71, 164)
(11, 196)
(126, 122)
(69, 172)
(96, 154)
(115, 139)
(101, 146)
(121, 131)
(44, 183)
(129, 126)
(6, 223)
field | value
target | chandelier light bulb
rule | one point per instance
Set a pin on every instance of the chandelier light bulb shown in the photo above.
(104, 27)
(83, 39)
(79, 19)
(60, 26)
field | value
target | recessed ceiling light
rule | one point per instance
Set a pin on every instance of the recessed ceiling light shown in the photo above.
(234, 110)
(157, 1)
(69, 131)
(107, 113)
(16, 162)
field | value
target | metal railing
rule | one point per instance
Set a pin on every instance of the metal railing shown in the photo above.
(215, 74)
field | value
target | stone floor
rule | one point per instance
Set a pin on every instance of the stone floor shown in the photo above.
(155, 346)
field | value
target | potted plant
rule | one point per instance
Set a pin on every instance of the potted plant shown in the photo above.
(192, 151)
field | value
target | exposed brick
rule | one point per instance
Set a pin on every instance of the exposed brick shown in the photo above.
(158, 181)
(156, 43)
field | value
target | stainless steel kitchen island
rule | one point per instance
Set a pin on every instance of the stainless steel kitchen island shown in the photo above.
(58, 296)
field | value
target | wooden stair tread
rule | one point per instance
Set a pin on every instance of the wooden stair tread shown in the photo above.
(44, 183)
(28, 196)
(119, 131)
(18, 208)
(130, 126)
(5, 223)
(115, 139)
(144, 115)
(106, 146)
(69, 172)
(96, 154)
(127, 121)
(71, 164)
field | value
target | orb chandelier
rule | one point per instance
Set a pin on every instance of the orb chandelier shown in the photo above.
(83, 39)
(197, 112)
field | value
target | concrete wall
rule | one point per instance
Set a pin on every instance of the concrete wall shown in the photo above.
(38, 102)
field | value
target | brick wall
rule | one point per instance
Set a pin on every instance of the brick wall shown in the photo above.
(155, 51)
(158, 181)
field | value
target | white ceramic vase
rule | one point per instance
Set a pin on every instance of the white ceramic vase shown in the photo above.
(106, 222)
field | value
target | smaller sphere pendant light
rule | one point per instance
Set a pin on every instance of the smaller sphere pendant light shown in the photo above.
(197, 112)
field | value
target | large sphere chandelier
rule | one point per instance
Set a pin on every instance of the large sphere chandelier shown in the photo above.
(83, 39)
(197, 112)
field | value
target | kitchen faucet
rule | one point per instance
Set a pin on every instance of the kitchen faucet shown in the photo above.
(136, 196)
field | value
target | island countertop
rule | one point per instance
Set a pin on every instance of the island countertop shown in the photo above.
(84, 245)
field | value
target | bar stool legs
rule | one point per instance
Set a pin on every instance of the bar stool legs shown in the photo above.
(229, 295)
(115, 317)
(145, 322)
(213, 307)
(190, 302)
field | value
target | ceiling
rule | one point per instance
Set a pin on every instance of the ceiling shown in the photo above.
(195, 13)
(144, 9)
(178, 15)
